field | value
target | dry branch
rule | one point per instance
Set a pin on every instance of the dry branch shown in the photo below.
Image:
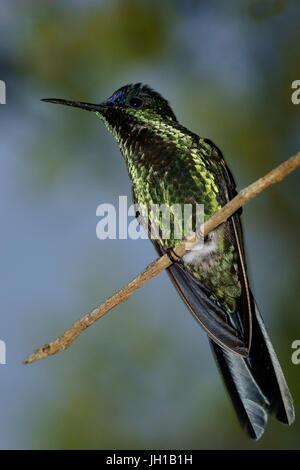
(162, 263)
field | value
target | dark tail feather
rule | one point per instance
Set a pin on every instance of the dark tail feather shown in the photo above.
(246, 396)
(268, 373)
(256, 384)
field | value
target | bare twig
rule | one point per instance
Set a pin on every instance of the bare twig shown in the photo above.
(162, 263)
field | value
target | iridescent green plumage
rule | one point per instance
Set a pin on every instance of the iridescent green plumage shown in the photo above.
(170, 165)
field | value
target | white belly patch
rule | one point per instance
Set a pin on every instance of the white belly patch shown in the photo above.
(204, 253)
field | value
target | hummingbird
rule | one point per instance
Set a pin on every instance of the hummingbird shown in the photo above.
(169, 164)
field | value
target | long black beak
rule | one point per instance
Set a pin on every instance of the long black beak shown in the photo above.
(77, 104)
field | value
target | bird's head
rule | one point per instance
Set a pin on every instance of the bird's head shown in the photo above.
(135, 101)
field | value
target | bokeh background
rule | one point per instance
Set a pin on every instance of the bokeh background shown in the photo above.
(143, 376)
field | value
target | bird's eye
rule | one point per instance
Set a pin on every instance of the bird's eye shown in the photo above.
(135, 102)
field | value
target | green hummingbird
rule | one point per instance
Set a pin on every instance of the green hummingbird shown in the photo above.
(168, 164)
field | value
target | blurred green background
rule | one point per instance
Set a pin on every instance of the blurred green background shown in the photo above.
(143, 376)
